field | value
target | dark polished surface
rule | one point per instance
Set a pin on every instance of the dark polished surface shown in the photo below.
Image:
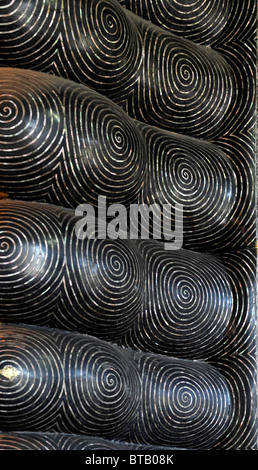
(206, 22)
(177, 302)
(172, 356)
(54, 143)
(66, 144)
(60, 441)
(154, 75)
(52, 380)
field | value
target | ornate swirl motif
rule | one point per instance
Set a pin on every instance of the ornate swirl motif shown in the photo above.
(66, 144)
(197, 396)
(102, 387)
(30, 249)
(105, 390)
(241, 268)
(55, 149)
(37, 384)
(235, 358)
(207, 22)
(188, 303)
(109, 288)
(197, 175)
(105, 44)
(63, 142)
(94, 286)
(98, 390)
(61, 441)
(92, 42)
(136, 292)
(178, 95)
(200, 21)
(154, 75)
(240, 372)
(27, 441)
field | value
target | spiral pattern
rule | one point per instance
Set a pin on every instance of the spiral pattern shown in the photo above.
(181, 398)
(102, 151)
(207, 22)
(188, 304)
(28, 139)
(67, 382)
(153, 75)
(104, 397)
(110, 288)
(240, 372)
(229, 357)
(54, 278)
(200, 21)
(64, 143)
(43, 18)
(178, 95)
(104, 43)
(31, 259)
(133, 292)
(61, 441)
(197, 175)
(236, 359)
(91, 42)
(31, 379)
(241, 269)
(95, 392)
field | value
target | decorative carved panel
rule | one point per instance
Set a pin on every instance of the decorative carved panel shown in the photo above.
(77, 384)
(122, 343)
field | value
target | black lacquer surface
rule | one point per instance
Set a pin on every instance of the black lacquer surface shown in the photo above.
(49, 276)
(173, 302)
(141, 102)
(65, 144)
(60, 441)
(206, 22)
(154, 75)
(52, 380)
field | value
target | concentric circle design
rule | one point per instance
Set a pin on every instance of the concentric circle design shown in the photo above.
(54, 278)
(213, 23)
(107, 279)
(64, 143)
(26, 441)
(107, 148)
(43, 18)
(197, 175)
(154, 75)
(192, 313)
(31, 261)
(31, 130)
(104, 42)
(71, 145)
(240, 373)
(32, 393)
(188, 303)
(65, 381)
(68, 382)
(103, 396)
(138, 293)
(241, 269)
(188, 89)
(200, 21)
(21, 440)
(181, 400)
